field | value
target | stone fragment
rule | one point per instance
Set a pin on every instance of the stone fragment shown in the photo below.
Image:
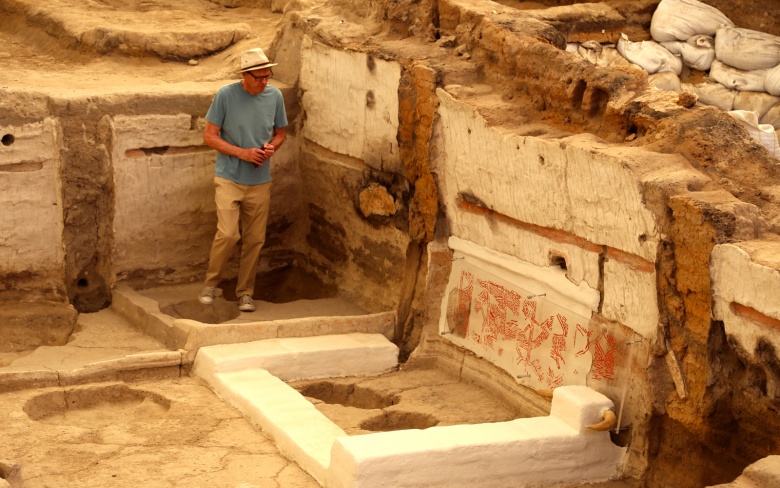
(375, 200)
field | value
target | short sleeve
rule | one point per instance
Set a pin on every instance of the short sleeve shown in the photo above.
(216, 113)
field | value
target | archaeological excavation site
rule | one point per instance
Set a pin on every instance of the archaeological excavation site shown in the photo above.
(510, 244)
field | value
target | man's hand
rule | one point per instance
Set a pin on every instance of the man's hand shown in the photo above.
(259, 156)
(255, 156)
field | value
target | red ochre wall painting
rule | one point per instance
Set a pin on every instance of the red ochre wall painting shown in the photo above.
(543, 344)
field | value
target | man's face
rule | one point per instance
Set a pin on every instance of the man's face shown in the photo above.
(257, 79)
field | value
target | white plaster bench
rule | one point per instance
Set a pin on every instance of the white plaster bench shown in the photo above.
(250, 376)
(536, 451)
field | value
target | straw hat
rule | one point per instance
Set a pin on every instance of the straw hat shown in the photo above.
(254, 59)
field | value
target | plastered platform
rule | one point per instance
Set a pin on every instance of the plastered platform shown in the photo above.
(538, 451)
(250, 377)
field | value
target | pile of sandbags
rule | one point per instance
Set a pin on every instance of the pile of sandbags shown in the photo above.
(743, 65)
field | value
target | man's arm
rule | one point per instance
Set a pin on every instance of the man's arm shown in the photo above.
(213, 140)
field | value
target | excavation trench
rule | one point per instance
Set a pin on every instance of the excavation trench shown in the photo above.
(454, 177)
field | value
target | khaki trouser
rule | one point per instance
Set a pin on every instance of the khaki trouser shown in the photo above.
(247, 204)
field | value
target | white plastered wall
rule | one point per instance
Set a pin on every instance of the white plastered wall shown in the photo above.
(31, 199)
(164, 202)
(530, 321)
(577, 185)
(630, 297)
(351, 103)
(739, 276)
(583, 265)
(562, 184)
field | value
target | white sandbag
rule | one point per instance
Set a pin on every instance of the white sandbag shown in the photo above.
(768, 139)
(590, 50)
(772, 117)
(697, 52)
(572, 47)
(772, 81)
(678, 20)
(764, 134)
(651, 56)
(747, 49)
(755, 102)
(610, 58)
(737, 79)
(713, 94)
(665, 81)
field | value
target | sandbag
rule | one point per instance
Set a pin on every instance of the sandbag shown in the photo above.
(697, 52)
(651, 56)
(737, 79)
(747, 49)
(756, 102)
(678, 20)
(590, 50)
(772, 81)
(665, 81)
(764, 134)
(713, 94)
(772, 117)
(572, 47)
(610, 58)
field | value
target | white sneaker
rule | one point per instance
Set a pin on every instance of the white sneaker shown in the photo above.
(245, 303)
(206, 295)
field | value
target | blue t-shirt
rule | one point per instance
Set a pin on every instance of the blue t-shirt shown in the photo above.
(246, 121)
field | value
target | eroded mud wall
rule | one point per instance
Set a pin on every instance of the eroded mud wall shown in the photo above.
(353, 184)
(31, 247)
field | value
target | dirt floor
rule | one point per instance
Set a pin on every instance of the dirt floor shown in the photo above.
(166, 433)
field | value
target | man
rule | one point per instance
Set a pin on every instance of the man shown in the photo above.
(246, 125)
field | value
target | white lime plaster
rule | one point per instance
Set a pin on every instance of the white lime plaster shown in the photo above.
(546, 182)
(351, 104)
(524, 452)
(248, 377)
(583, 265)
(303, 357)
(630, 297)
(738, 277)
(550, 280)
(30, 199)
(164, 202)
(538, 451)
(299, 430)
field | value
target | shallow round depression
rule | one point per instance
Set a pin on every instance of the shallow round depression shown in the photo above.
(399, 420)
(387, 419)
(346, 395)
(95, 406)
